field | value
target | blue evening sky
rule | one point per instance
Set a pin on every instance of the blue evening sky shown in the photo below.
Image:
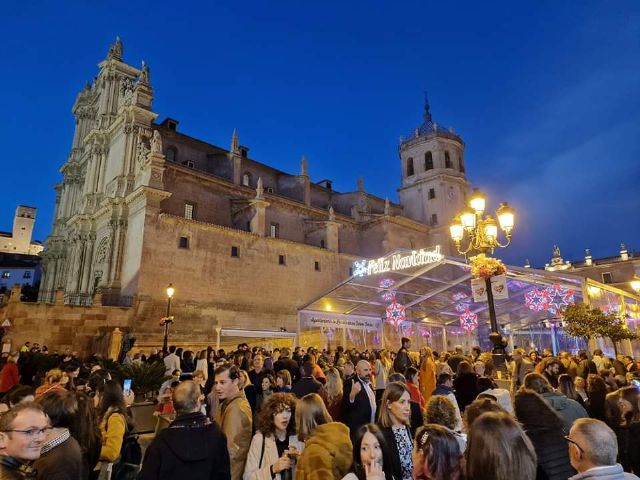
(545, 95)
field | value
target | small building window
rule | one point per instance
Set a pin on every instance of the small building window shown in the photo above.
(246, 179)
(243, 152)
(274, 230)
(316, 266)
(183, 242)
(27, 274)
(282, 260)
(322, 244)
(172, 154)
(269, 189)
(447, 160)
(6, 274)
(189, 164)
(461, 164)
(428, 161)
(410, 170)
(189, 210)
(432, 193)
(248, 225)
(434, 219)
(606, 277)
(235, 252)
(351, 271)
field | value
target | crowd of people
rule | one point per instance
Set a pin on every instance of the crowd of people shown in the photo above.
(253, 414)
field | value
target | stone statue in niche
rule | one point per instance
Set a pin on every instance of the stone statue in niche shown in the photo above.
(143, 151)
(126, 91)
(156, 142)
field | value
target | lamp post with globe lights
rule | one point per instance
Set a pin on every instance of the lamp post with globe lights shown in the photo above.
(474, 233)
(168, 319)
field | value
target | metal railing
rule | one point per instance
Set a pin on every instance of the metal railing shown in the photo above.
(79, 299)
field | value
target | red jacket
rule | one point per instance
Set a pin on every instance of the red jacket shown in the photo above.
(416, 396)
(9, 377)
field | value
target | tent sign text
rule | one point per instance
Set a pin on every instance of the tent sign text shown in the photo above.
(397, 261)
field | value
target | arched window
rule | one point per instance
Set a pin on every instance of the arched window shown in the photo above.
(447, 160)
(461, 164)
(172, 154)
(410, 170)
(246, 179)
(428, 161)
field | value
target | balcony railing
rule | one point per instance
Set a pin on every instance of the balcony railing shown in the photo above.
(79, 299)
(116, 300)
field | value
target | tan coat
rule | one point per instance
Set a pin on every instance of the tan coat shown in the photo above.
(327, 454)
(253, 470)
(235, 419)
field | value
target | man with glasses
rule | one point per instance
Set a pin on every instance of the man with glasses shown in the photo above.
(23, 431)
(593, 448)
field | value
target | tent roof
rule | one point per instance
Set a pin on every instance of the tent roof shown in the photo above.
(438, 293)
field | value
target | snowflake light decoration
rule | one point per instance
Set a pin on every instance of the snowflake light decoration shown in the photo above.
(387, 295)
(458, 296)
(558, 298)
(537, 300)
(425, 333)
(469, 320)
(396, 314)
(610, 308)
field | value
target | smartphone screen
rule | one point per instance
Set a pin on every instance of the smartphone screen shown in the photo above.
(126, 385)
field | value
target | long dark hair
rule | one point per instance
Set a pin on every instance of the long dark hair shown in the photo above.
(112, 401)
(86, 431)
(440, 450)
(357, 466)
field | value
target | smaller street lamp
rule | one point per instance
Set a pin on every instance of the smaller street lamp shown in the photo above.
(635, 285)
(168, 319)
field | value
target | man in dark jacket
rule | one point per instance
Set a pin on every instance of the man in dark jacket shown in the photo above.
(403, 360)
(307, 384)
(285, 362)
(191, 447)
(359, 398)
(586, 366)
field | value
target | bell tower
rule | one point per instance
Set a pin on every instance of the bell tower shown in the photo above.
(434, 182)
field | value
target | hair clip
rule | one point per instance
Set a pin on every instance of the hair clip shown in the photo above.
(423, 438)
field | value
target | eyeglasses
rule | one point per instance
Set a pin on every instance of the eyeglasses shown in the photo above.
(575, 443)
(32, 432)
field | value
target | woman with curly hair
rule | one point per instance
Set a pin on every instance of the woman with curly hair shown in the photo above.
(437, 454)
(275, 446)
(442, 411)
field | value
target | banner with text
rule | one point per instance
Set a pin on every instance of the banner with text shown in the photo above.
(311, 320)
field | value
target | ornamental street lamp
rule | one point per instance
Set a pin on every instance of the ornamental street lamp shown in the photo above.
(168, 319)
(481, 234)
(635, 285)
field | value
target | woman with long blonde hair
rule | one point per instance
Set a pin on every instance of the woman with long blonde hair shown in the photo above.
(333, 393)
(427, 374)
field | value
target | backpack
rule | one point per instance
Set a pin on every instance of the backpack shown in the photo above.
(127, 466)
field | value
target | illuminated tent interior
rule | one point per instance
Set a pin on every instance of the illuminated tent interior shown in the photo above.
(435, 296)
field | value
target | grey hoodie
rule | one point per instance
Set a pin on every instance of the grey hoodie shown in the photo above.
(569, 410)
(609, 472)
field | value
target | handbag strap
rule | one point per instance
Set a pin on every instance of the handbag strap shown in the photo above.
(261, 453)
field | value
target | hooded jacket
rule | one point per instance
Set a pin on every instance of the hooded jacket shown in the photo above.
(327, 454)
(609, 472)
(568, 409)
(191, 447)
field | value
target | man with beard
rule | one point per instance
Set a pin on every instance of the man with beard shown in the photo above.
(359, 398)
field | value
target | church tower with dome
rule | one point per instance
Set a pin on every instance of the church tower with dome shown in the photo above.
(434, 184)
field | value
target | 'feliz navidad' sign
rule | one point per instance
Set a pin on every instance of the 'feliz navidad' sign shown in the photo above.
(397, 261)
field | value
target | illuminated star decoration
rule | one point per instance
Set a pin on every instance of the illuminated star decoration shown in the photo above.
(558, 298)
(425, 333)
(469, 320)
(537, 300)
(396, 314)
(611, 308)
(387, 295)
(463, 302)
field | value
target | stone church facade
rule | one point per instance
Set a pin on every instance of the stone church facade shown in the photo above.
(142, 205)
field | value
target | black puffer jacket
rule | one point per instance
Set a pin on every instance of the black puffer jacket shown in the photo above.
(544, 427)
(191, 447)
